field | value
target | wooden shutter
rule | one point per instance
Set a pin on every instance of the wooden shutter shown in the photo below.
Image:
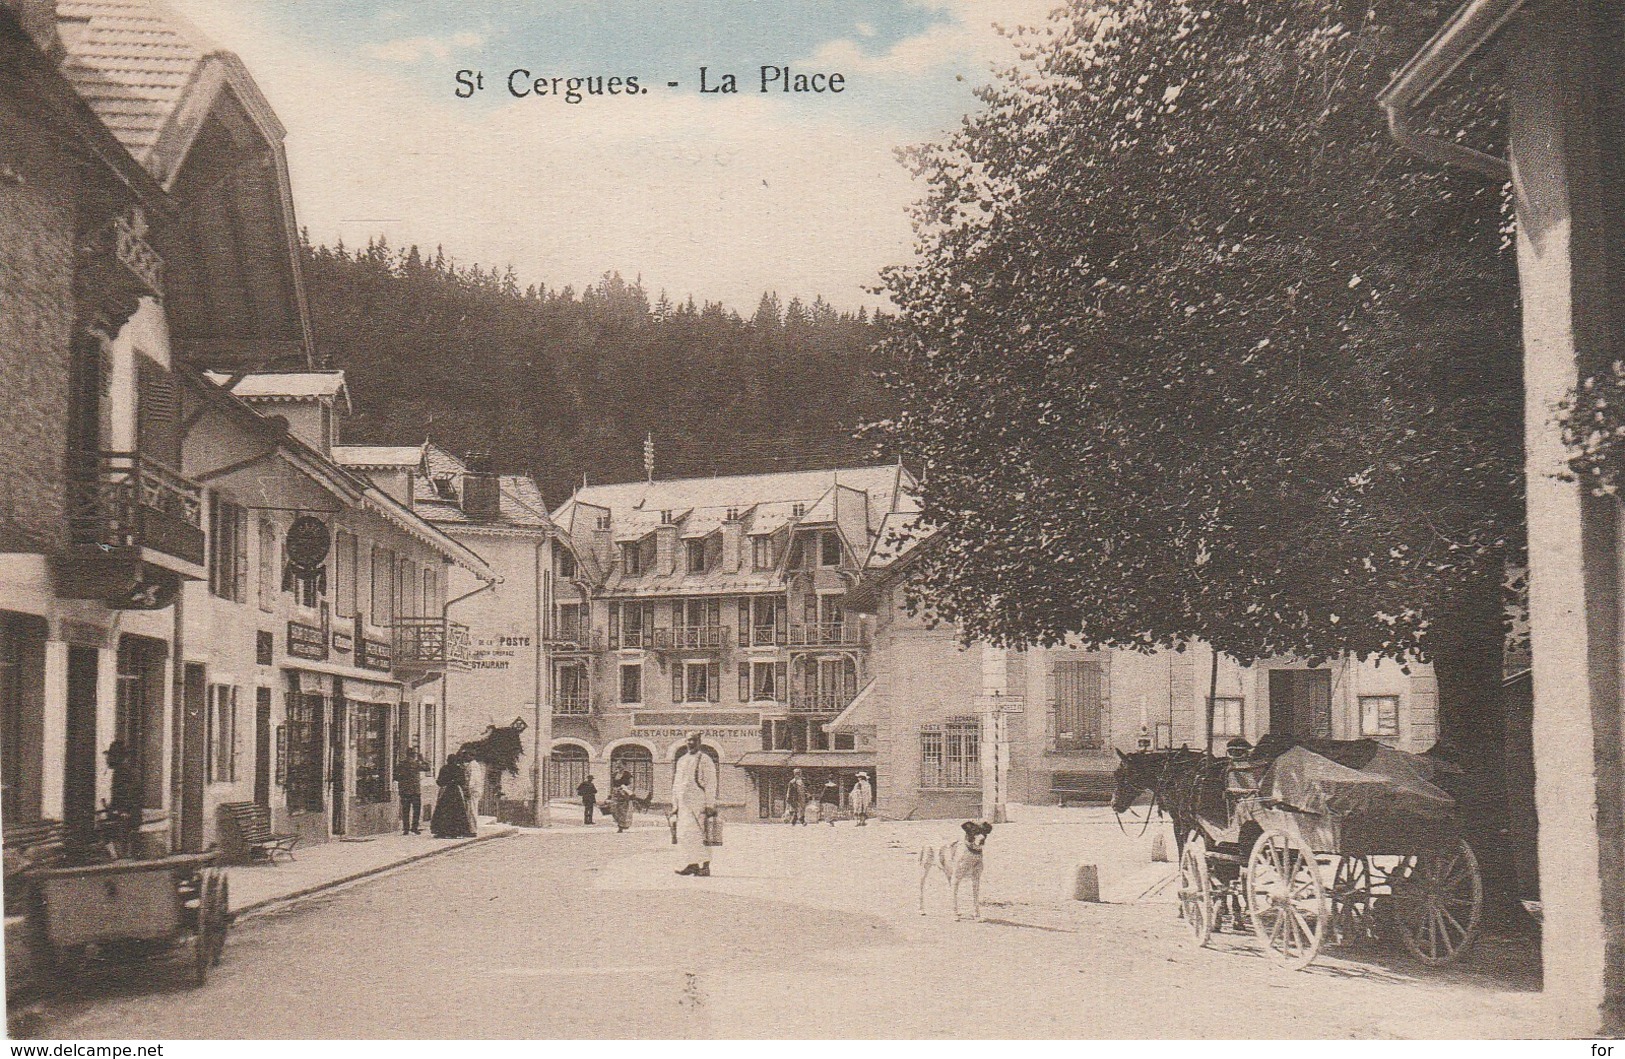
(677, 671)
(240, 542)
(744, 621)
(159, 412)
(614, 625)
(713, 683)
(780, 681)
(744, 682)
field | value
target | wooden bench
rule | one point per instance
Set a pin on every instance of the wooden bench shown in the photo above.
(248, 836)
(1093, 788)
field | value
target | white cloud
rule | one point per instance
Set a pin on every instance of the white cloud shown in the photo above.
(415, 49)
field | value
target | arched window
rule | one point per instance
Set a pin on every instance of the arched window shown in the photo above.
(639, 762)
(567, 767)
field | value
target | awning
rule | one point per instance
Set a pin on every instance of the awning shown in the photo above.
(815, 759)
(859, 713)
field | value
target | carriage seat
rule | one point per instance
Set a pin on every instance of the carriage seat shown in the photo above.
(247, 835)
(1091, 788)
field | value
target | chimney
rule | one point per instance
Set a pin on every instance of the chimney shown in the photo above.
(603, 543)
(482, 489)
(733, 543)
(666, 549)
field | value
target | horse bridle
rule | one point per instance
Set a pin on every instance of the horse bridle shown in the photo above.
(1153, 808)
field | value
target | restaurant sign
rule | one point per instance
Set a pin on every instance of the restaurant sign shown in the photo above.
(376, 655)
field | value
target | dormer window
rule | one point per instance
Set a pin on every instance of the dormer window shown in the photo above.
(630, 556)
(798, 510)
(603, 522)
(761, 552)
(565, 563)
(830, 550)
(444, 488)
(696, 555)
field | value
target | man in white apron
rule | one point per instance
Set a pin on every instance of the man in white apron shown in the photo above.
(694, 800)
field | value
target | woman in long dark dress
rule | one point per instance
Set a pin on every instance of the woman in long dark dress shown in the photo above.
(450, 818)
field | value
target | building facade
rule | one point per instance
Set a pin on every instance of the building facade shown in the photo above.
(502, 680)
(960, 731)
(714, 605)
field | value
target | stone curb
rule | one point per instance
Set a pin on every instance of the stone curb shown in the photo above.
(269, 903)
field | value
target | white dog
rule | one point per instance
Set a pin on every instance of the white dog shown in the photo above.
(959, 861)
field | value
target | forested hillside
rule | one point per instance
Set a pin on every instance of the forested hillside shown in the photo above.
(559, 383)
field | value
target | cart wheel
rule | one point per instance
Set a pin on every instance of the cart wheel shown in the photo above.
(1196, 888)
(1351, 899)
(1437, 900)
(1286, 900)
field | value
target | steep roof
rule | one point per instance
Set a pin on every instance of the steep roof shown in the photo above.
(887, 487)
(520, 500)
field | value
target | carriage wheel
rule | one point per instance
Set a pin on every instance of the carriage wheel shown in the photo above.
(1196, 888)
(1351, 899)
(1437, 900)
(1286, 900)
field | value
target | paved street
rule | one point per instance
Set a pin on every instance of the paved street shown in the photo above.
(800, 933)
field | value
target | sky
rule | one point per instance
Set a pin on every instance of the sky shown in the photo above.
(717, 196)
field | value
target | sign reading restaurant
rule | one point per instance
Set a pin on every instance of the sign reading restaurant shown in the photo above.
(307, 641)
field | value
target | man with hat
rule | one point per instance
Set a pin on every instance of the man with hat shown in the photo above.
(694, 801)
(862, 795)
(797, 797)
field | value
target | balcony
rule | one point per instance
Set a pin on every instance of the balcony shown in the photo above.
(573, 638)
(821, 700)
(129, 502)
(573, 703)
(762, 636)
(691, 638)
(431, 645)
(633, 639)
(827, 634)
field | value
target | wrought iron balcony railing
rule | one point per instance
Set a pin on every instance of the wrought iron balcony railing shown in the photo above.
(691, 638)
(431, 643)
(821, 700)
(131, 502)
(827, 634)
(576, 703)
(633, 639)
(573, 638)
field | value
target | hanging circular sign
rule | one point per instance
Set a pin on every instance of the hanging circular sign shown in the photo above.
(307, 543)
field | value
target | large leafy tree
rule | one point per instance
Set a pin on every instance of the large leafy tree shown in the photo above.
(1190, 350)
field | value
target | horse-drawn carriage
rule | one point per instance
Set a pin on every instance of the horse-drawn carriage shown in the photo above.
(1316, 842)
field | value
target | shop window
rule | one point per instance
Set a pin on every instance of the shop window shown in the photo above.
(1379, 715)
(221, 727)
(371, 753)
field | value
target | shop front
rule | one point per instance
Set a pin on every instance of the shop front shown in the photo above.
(371, 709)
(771, 771)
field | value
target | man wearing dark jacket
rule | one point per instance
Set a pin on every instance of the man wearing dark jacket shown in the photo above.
(409, 772)
(589, 798)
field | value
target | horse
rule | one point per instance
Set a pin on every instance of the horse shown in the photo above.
(1179, 782)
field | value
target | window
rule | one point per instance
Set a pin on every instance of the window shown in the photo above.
(638, 761)
(950, 754)
(630, 624)
(268, 578)
(264, 648)
(228, 549)
(383, 586)
(221, 728)
(431, 592)
(1229, 718)
(630, 566)
(407, 584)
(797, 510)
(830, 549)
(696, 555)
(761, 552)
(696, 682)
(429, 748)
(764, 681)
(1079, 706)
(371, 753)
(345, 572)
(569, 623)
(843, 741)
(564, 563)
(1379, 715)
(631, 682)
